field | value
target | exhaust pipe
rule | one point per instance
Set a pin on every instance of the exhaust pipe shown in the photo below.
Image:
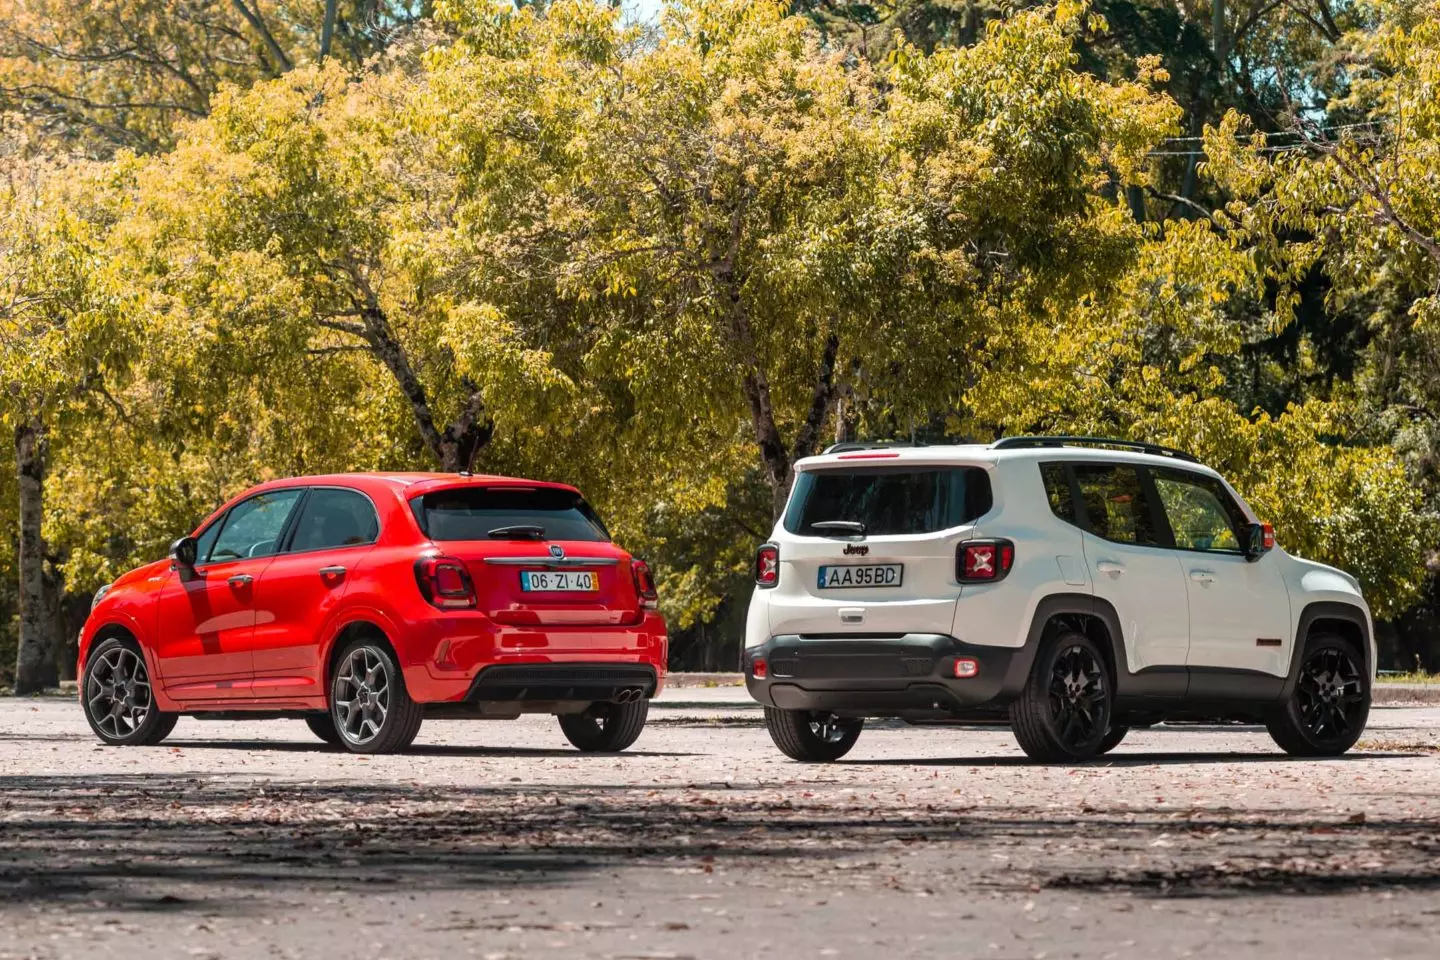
(628, 694)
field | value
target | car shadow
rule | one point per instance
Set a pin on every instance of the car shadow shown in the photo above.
(415, 750)
(1123, 760)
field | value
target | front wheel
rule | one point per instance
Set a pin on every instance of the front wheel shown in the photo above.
(812, 736)
(1063, 714)
(606, 727)
(1327, 711)
(323, 726)
(119, 702)
(369, 705)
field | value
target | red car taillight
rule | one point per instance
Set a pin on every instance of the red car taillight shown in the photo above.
(767, 566)
(445, 583)
(983, 561)
(645, 585)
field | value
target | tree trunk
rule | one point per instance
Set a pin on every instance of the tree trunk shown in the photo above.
(455, 446)
(33, 659)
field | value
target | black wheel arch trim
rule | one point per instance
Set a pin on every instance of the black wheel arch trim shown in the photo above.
(1328, 610)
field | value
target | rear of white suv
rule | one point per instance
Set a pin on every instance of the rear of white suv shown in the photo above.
(1039, 580)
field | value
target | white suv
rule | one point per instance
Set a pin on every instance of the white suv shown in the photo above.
(1075, 586)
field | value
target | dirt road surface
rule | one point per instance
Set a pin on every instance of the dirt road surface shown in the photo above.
(496, 840)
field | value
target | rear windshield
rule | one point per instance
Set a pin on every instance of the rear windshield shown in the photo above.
(888, 500)
(470, 513)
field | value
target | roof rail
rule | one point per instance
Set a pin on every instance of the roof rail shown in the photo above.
(1154, 449)
(852, 445)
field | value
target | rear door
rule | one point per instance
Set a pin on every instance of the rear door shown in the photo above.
(539, 557)
(1130, 566)
(207, 623)
(302, 586)
(870, 548)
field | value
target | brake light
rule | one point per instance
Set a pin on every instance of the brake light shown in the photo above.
(645, 585)
(445, 583)
(767, 566)
(1268, 535)
(983, 561)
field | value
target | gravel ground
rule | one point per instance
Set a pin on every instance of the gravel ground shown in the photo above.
(496, 840)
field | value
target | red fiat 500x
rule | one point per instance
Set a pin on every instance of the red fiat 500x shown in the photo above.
(364, 603)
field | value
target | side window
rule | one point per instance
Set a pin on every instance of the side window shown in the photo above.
(1201, 512)
(335, 518)
(1057, 490)
(207, 540)
(253, 527)
(1114, 501)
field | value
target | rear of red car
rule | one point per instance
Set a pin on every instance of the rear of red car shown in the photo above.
(521, 602)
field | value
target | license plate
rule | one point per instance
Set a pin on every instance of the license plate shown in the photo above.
(564, 581)
(861, 575)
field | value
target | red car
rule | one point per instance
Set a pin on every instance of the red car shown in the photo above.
(364, 603)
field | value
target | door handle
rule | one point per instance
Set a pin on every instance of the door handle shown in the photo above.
(335, 571)
(1202, 576)
(241, 580)
(1109, 566)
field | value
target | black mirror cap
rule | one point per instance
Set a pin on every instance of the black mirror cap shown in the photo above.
(184, 552)
(1259, 539)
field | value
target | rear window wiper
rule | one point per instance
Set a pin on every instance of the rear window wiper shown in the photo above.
(518, 531)
(853, 527)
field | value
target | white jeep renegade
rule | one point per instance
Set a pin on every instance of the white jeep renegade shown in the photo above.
(1075, 586)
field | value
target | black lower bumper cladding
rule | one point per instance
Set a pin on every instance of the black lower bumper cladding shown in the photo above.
(909, 675)
(562, 682)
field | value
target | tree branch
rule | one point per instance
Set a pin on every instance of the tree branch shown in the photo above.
(282, 63)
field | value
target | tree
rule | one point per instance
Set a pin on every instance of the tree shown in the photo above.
(61, 337)
(100, 74)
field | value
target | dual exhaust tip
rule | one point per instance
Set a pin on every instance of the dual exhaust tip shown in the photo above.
(628, 694)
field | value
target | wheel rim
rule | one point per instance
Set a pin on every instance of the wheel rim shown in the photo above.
(1330, 694)
(117, 694)
(827, 728)
(362, 695)
(1078, 701)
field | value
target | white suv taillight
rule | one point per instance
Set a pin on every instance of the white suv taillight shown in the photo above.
(767, 566)
(983, 561)
(445, 583)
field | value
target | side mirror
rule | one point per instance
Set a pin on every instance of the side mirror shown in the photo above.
(1259, 539)
(184, 552)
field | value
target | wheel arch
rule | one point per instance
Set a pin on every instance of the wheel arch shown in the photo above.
(1090, 615)
(1332, 616)
(351, 630)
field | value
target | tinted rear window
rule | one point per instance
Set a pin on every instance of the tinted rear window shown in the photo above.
(470, 513)
(889, 500)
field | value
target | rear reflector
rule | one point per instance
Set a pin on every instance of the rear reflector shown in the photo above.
(965, 668)
(758, 668)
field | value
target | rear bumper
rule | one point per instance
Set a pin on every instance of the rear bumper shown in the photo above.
(520, 683)
(909, 676)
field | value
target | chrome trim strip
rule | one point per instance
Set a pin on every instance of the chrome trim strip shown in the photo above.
(549, 561)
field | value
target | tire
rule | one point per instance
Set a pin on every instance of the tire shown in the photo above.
(1112, 740)
(1063, 714)
(323, 726)
(812, 737)
(606, 727)
(118, 699)
(369, 706)
(1327, 710)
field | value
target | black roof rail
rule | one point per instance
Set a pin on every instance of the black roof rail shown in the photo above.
(1154, 449)
(850, 446)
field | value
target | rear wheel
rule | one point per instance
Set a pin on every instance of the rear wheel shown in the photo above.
(369, 706)
(1327, 711)
(119, 702)
(1063, 714)
(812, 736)
(606, 727)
